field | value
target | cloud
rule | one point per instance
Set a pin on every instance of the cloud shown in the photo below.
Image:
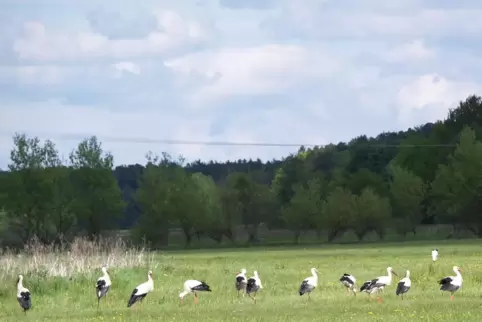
(304, 71)
(38, 43)
(128, 67)
(434, 93)
(257, 70)
(415, 50)
(353, 19)
(247, 4)
(115, 26)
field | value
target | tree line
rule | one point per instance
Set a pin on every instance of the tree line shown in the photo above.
(397, 180)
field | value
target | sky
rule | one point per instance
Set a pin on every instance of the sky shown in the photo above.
(255, 71)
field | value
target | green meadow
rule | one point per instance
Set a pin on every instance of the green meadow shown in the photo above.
(62, 284)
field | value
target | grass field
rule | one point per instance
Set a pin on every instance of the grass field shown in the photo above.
(63, 287)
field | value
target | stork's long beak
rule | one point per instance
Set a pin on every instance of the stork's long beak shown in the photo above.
(238, 273)
(460, 270)
(394, 273)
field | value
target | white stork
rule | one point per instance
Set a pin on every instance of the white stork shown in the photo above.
(404, 285)
(102, 285)
(140, 292)
(23, 295)
(349, 282)
(434, 255)
(241, 281)
(309, 283)
(253, 286)
(194, 286)
(379, 283)
(364, 288)
(452, 283)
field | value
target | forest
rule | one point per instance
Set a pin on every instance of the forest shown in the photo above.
(429, 174)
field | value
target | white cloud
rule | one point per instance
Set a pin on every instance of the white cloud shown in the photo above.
(368, 20)
(49, 75)
(126, 66)
(256, 70)
(412, 51)
(40, 44)
(435, 92)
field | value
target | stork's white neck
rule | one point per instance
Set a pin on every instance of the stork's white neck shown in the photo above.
(389, 271)
(457, 273)
(258, 280)
(20, 283)
(313, 272)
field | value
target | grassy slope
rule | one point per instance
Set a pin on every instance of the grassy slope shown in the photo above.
(281, 271)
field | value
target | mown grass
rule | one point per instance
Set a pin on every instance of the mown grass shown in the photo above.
(72, 298)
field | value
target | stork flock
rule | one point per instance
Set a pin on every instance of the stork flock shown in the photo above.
(449, 283)
(252, 285)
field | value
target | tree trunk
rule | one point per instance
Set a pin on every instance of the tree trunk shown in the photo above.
(252, 233)
(230, 235)
(380, 233)
(216, 236)
(332, 234)
(297, 236)
(360, 234)
(187, 235)
(319, 234)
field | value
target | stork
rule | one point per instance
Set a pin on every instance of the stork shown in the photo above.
(23, 295)
(194, 286)
(452, 283)
(253, 286)
(141, 291)
(434, 255)
(241, 281)
(404, 285)
(379, 283)
(309, 283)
(103, 284)
(364, 288)
(349, 282)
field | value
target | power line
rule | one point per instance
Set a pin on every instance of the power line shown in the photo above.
(77, 137)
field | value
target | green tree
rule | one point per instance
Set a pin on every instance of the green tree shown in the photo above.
(457, 188)
(253, 202)
(214, 221)
(407, 191)
(185, 201)
(294, 170)
(339, 212)
(98, 203)
(364, 178)
(28, 187)
(304, 208)
(60, 202)
(373, 214)
(230, 215)
(152, 196)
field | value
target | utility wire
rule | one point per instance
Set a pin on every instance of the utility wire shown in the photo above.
(77, 137)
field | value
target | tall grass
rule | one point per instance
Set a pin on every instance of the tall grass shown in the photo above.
(68, 259)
